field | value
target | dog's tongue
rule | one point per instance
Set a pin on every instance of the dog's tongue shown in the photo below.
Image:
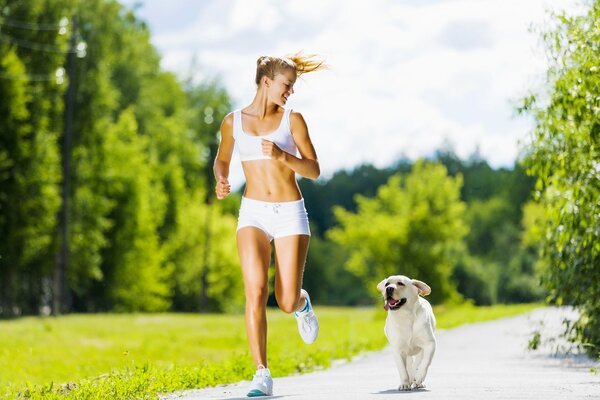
(390, 303)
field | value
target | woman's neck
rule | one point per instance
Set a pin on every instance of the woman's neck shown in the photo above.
(260, 107)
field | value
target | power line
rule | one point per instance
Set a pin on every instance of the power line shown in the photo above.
(28, 77)
(61, 26)
(80, 49)
(32, 45)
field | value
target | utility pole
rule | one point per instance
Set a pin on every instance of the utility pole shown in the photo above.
(61, 300)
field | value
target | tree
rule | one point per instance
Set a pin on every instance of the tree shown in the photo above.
(209, 103)
(140, 167)
(564, 155)
(413, 226)
(136, 278)
(30, 128)
(339, 190)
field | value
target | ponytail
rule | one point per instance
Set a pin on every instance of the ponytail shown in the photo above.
(308, 63)
(269, 66)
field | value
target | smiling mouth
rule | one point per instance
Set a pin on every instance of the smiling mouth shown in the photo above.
(393, 304)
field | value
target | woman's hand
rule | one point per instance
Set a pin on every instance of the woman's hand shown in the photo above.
(223, 188)
(270, 149)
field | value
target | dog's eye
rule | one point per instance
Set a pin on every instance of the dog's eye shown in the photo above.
(400, 284)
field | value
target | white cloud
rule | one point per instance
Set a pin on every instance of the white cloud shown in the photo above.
(258, 15)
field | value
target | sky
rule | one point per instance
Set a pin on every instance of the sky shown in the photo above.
(406, 77)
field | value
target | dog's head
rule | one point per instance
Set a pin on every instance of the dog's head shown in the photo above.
(397, 290)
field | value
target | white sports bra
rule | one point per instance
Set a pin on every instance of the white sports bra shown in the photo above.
(249, 146)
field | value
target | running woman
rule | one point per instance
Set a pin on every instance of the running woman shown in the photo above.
(274, 146)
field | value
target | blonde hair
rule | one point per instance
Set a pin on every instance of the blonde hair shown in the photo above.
(269, 66)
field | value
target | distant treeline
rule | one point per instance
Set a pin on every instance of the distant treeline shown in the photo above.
(493, 262)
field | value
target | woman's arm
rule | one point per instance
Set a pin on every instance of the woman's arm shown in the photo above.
(221, 165)
(307, 165)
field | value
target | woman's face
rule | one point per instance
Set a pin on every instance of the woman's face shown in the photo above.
(281, 87)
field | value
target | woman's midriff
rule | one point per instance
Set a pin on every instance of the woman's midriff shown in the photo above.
(270, 180)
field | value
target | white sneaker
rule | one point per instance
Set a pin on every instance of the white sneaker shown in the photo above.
(262, 384)
(308, 325)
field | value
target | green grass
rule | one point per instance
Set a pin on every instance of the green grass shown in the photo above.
(123, 356)
(452, 316)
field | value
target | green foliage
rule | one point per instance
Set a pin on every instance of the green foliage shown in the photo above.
(181, 243)
(142, 233)
(414, 226)
(494, 199)
(321, 197)
(477, 279)
(327, 279)
(129, 356)
(30, 125)
(118, 199)
(498, 267)
(135, 277)
(488, 221)
(564, 154)
(223, 277)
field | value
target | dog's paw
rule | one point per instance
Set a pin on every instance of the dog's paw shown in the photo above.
(404, 387)
(418, 385)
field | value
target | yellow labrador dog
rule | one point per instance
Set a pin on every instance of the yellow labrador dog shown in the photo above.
(409, 328)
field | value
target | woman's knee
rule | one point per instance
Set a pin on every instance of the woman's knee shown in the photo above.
(288, 303)
(257, 295)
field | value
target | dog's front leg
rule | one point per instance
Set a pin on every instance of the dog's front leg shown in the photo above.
(410, 368)
(423, 364)
(400, 360)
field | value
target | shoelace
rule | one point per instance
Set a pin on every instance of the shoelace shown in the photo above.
(305, 318)
(259, 380)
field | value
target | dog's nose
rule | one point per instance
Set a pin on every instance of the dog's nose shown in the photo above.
(389, 290)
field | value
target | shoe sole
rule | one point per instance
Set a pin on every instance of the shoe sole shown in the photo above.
(256, 393)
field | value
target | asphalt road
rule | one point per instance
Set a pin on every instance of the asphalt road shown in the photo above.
(473, 362)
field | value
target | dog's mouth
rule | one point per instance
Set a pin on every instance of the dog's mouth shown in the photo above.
(393, 304)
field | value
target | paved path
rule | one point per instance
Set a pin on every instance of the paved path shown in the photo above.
(481, 361)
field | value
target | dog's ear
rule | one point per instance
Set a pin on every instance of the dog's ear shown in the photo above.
(424, 288)
(381, 285)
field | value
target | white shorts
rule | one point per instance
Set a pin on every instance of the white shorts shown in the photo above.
(275, 219)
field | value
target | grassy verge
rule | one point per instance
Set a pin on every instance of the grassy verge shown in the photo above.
(124, 356)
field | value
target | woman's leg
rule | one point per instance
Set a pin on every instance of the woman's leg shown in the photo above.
(254, 250)
(290, 257)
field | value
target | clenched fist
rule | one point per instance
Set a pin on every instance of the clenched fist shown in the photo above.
(223, 188)
(271, 150)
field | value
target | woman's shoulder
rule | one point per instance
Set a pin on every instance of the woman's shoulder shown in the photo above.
(229, 117)
(297, 123)
(296, 117)
(228, 121)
